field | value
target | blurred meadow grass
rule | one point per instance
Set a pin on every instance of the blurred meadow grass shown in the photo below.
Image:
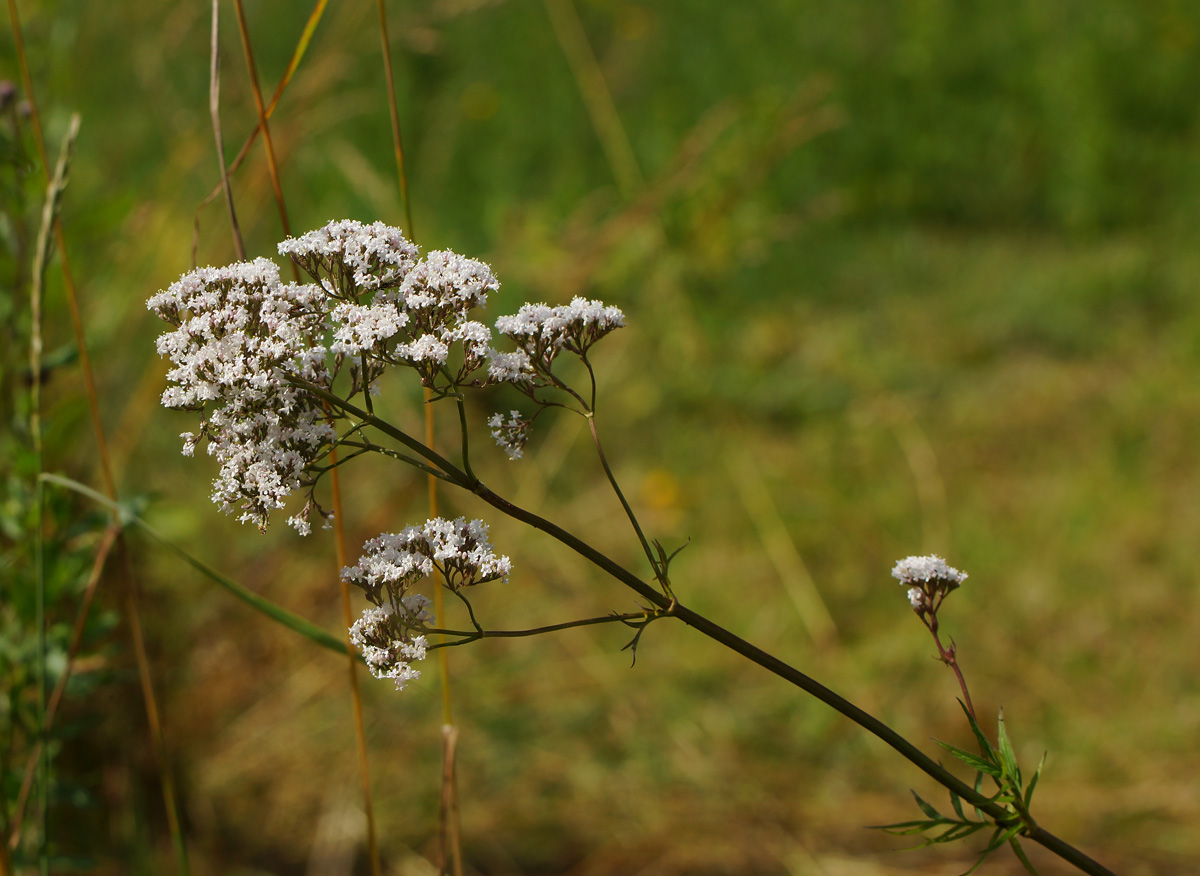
(899, 279)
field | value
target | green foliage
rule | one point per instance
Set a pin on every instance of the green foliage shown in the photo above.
(998, 762)
(47, 547)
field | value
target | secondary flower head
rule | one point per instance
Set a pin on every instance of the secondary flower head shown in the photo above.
(928, 579)
(541, 332)
(390, 635)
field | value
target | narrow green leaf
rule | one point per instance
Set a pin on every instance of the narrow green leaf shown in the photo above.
(1015, 844)
(998, 839)
(927, 809)
(1037, 774)
(961, 831)
(271, 609)
(983, 856)
(906, 828)
(984, 745)
(956, 802)
(972, 760)
(1008, 757)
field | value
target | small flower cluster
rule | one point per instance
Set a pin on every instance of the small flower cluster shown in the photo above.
(542, 332)
(240, 334)
(382, 634)
(928, 579)
(349, 258)
(437, 295)
(392, 564)
(511, 434)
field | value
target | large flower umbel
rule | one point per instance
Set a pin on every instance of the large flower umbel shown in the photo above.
(240, 334)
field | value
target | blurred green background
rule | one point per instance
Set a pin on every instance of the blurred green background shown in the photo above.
(899, 278)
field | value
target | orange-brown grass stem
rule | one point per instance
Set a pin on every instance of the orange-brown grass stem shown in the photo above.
(298, 53)
(360, 733)
(214, 110)
(397, 142)
(272, 166)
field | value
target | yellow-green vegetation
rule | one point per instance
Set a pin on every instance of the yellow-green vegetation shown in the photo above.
(899, 278)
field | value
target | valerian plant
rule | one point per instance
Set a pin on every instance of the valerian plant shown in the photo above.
(283, 374)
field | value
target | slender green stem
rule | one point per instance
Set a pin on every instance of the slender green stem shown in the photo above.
(470, 610)
(730, 640)
(456, 475)
(392, 454)
(462, 427)
(636, 618)
(659, 573)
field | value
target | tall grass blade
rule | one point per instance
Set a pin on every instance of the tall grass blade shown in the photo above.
(271, 609)
(589, 78)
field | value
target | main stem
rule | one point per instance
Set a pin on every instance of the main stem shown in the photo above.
(733, 642)
(789, 673)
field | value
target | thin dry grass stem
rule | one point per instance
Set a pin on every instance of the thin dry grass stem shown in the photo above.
(41, 255)
(782, 551)
(133, 615)
(214, 109)
(589, 78)
(85, 364)
(360, 732)
(298, 53)
(927, 476)
(18, 814)
(397, 142)
(335, 481)
(272, 166)
(449, 827)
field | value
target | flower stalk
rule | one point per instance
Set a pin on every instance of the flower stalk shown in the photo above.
(262, 362)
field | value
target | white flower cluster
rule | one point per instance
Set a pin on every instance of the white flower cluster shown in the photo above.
(349, 258)
(240, 333)
(511, 434)
(392, 564)
(437, 296)
(383, 636)
(928, 579)
(241, 336)
(542, 332)
(423, 305)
